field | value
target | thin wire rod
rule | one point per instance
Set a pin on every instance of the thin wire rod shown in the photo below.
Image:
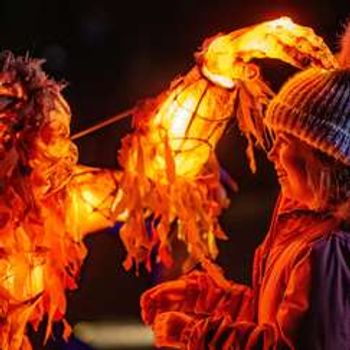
(103, 123)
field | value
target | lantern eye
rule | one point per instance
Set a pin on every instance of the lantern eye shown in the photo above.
(7, 102)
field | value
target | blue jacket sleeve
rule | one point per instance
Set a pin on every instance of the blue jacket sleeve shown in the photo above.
(327, 324)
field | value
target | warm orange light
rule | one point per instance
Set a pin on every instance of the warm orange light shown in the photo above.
(224, 56)
(192, 118)
(92, 195)
(170, 169)
(170, 173)
(23, 275)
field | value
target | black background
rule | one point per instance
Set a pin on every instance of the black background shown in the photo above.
(114, 53)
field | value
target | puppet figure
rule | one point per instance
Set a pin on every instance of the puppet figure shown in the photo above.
(47, 202)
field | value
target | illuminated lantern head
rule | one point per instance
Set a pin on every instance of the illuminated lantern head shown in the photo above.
(34, 124)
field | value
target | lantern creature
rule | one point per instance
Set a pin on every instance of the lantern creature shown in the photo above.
(170, 169)
(48, 202)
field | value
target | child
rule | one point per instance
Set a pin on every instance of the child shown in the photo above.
(300, 297)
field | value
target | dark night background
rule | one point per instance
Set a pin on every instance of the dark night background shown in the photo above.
(114, 53)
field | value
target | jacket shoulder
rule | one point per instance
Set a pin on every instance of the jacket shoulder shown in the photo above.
(331, 252)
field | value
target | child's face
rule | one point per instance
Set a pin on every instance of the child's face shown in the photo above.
(292, 159)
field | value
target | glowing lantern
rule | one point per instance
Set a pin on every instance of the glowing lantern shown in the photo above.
(224, 58)
(93, 193)
(169, 165)
(48, 203)
(192, 118)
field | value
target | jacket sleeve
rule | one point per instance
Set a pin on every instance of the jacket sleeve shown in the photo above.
(314, 313)
(196, 294)
(327, 326)
(225, 333)
(223, 330)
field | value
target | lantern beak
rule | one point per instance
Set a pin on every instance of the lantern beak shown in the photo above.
(226, 58)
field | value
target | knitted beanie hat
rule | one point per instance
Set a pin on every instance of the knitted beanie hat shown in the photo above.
(314, 106)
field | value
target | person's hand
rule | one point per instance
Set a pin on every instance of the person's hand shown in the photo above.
(195, 294)
(177, 295)
(169, 329)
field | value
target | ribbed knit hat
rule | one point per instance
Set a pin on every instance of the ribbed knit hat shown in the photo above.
(314, 106)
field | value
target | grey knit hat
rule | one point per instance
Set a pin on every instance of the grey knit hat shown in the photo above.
(314, 106)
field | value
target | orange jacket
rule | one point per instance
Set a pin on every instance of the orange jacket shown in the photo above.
(300, 297)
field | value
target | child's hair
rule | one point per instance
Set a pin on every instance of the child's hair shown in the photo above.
(330, 181)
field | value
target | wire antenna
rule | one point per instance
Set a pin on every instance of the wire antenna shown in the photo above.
(103, 123)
